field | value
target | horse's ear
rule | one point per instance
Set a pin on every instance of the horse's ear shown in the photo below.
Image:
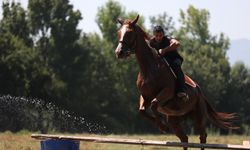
(135, 20)
(119, 20)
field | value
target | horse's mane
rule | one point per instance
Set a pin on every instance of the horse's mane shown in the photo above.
(144, 34)
(147, 38)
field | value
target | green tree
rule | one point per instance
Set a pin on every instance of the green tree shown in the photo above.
(14, 63)
(54, 25)
(238, 93)
(106, 19)
(22, 72)
(204, 54)
(15, 21)
(163, 20)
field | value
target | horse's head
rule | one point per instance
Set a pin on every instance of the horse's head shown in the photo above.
(127, 38)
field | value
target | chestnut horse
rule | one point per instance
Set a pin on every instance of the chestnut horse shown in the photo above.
(157, 83)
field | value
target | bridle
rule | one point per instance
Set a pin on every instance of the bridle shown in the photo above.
(130, 48)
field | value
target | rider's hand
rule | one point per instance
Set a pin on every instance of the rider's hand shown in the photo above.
(161, 51)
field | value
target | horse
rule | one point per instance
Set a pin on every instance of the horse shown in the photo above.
(156, 84)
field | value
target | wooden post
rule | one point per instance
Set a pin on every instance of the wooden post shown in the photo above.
(140, 142)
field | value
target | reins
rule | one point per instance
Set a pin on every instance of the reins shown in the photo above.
(164, 59)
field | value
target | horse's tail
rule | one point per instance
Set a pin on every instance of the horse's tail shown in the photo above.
(220, 119)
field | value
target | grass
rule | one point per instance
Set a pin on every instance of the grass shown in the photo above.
(19, 141)
(23, 141)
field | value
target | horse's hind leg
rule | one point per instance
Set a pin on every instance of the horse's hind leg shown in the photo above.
(174, 123)
(200, 120)
(200, 127)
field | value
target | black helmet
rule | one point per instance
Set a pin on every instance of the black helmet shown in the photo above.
(158, 29)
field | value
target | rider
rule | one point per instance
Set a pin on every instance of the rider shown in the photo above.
(167, 47)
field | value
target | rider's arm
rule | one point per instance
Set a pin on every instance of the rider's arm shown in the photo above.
(174, 44)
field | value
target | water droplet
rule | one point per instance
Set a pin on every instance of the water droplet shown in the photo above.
(34, 114)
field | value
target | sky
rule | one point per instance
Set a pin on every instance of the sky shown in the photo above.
(231, 17)
(228, 16)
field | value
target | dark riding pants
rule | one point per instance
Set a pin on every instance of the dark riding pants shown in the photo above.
(175, 64)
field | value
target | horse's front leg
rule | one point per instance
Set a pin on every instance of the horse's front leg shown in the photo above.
(143, 106)
(164, 95)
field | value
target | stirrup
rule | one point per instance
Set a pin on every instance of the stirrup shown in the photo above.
(183, 96)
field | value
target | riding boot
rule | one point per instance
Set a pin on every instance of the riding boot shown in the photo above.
(181, 93)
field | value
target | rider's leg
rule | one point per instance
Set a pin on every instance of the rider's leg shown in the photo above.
(176, 66)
